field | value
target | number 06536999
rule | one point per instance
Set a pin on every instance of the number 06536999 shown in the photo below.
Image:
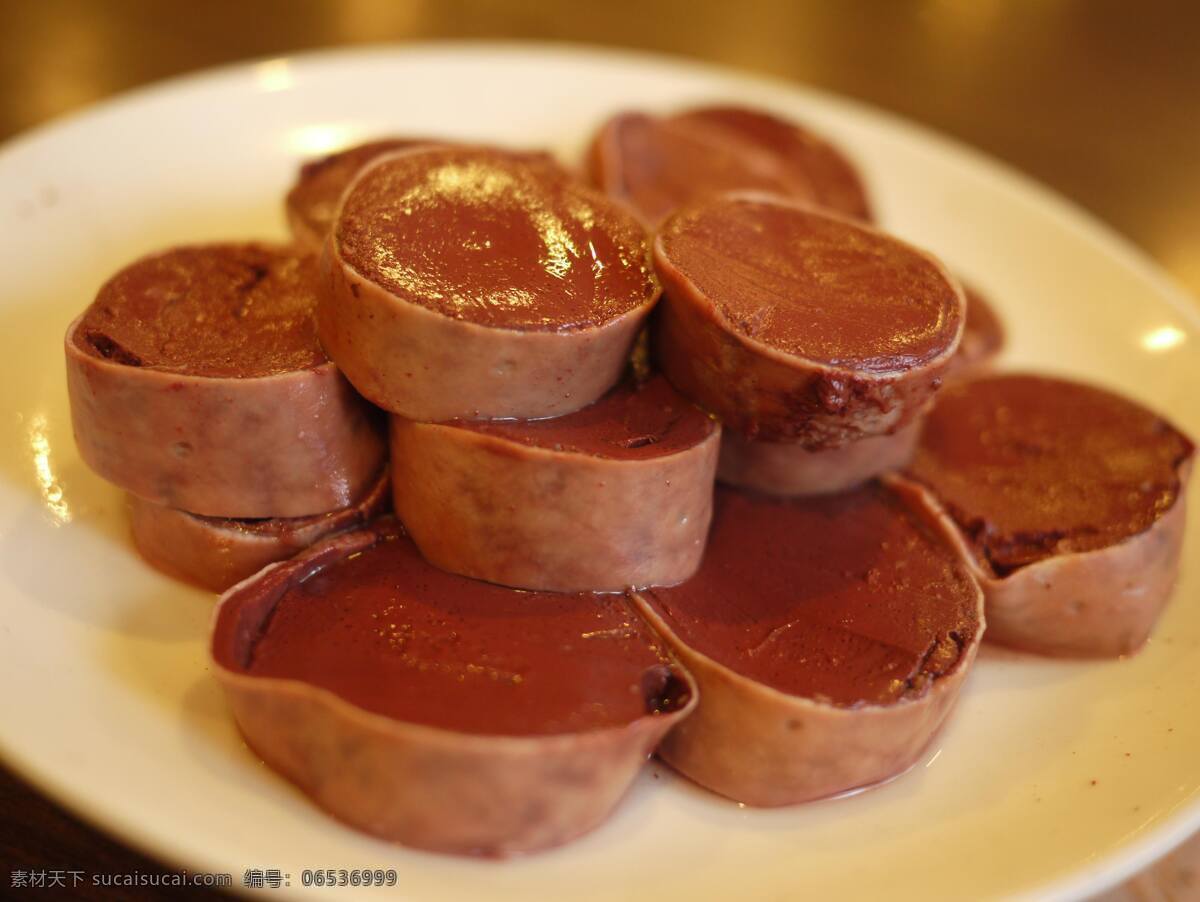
(343, 877)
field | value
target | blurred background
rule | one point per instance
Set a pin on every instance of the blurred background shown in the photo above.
(1100, 99)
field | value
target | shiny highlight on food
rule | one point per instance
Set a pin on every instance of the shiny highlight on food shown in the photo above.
(482, 236)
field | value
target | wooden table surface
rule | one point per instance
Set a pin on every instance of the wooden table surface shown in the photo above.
(1100, 99)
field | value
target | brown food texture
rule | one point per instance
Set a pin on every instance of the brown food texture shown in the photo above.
(215, 553)
(849, 599)
(557, 774)
(615, 495)
(834, 181)
(311, 203)
(637, 420)
(983, 335)
(480, 236)
(220, 310)
(657, 165)
(393, 635)
(814, 286)
(254, 440)
(794, 325)
(782, 468)
(829, 639)
(1030, 467)
(465, 283)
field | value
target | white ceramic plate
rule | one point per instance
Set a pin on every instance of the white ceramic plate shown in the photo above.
(1053, 779)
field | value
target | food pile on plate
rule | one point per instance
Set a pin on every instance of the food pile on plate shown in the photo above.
(513, 475)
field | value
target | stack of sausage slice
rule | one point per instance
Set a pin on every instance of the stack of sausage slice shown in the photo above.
(472, 294)
(489, 304)
(564, 589)
(198, 386)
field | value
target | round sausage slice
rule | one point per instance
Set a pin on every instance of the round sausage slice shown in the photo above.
(829, 638)
(1069, 503)
(437, 711)
(214, 553)
(196, 381)
(466, 283)
(618, 494)
(312, 201)
(794, 325)
(785, 468)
